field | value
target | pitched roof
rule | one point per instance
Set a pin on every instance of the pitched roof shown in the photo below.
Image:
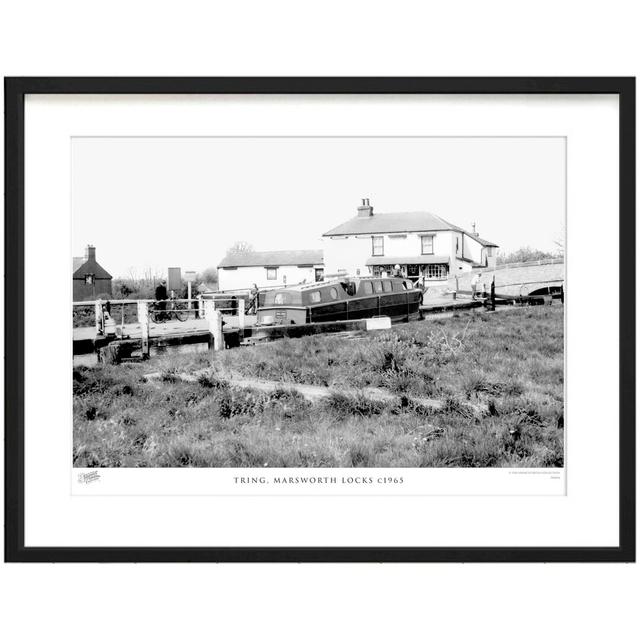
(485, 243)
(392, 223)
(90, 266)
(272, 258)
(407, 222)
(77, 263)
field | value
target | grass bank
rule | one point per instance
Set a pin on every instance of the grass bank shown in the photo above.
(511, 362)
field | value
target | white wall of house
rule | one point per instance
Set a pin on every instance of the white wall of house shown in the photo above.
(245, 277)
(346, 254)
(350, 253)
(472, 249)
(476, 251)
(492, 255)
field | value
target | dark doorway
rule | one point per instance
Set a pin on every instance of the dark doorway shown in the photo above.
(413, 271)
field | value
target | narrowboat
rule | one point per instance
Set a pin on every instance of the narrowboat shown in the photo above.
(341, 299)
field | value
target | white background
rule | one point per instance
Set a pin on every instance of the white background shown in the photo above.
(332, 38)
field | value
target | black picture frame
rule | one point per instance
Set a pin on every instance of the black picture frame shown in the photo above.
(15, 91)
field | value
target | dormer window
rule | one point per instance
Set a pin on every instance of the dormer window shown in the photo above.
(427, 245)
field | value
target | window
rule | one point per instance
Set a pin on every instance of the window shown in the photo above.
(319, 274)
(382, 271)
(386, 285)
(427, 244)
(333, 293)
(435, 271)
(281, 298)
(272, 273)
(377, 286)
(377, 246)
(314, 296)
(367, 288)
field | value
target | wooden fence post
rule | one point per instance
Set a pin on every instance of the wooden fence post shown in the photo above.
(241, 314)
(214, 318)
(143, 319)
(99, 318)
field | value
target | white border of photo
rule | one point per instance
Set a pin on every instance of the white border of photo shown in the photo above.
(575, 506)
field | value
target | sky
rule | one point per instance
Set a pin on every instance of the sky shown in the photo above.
(153, 203)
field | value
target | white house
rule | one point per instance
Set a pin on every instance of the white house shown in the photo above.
(269, 269)
(423, 244)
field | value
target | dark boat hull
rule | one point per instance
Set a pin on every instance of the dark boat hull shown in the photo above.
(399, 306)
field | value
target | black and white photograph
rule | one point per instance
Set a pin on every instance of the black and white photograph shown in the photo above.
(318, 302)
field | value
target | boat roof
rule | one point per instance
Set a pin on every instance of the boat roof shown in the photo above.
(334, 281)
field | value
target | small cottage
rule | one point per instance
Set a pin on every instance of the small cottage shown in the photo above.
(90, 280)
(269, 269)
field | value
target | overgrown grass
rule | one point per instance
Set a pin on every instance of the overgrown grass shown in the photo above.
(510, 363)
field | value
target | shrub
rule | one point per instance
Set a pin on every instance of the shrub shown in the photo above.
(170, 376)
(451, 404)
(343, 404)
(211, 381)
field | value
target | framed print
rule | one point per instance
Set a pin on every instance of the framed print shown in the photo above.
(320, 319)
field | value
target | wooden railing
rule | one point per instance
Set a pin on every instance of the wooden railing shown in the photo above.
(104, 309)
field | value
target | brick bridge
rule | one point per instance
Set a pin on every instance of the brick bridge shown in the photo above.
(519, 278)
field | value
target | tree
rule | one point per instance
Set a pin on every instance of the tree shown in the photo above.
(524, 254)
(240, 246)
(210, 276)
(124, 289)
(138, 285)
(559, 242)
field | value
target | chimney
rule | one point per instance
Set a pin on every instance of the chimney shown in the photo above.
(365, 209)
(473, 226)
(90, 253)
